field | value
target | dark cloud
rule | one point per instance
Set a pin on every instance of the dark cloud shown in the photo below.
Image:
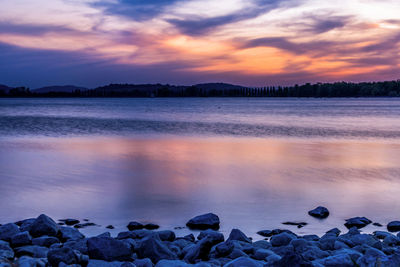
(29, 29)
(138, 10)
(389, 43)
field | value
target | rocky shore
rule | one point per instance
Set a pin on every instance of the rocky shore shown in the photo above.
(43, 242)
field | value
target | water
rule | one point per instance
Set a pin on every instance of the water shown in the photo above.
(254, 162)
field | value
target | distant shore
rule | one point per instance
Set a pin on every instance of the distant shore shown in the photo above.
(43, 242)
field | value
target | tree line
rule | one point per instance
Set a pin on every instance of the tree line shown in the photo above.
(337, 89)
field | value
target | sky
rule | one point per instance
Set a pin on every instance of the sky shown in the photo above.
(247, 42)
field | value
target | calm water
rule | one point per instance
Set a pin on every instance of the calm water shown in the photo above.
(254, 162)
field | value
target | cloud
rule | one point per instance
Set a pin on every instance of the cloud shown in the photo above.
(30, 29)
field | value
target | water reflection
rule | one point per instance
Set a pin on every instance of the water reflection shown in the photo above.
(252, 184)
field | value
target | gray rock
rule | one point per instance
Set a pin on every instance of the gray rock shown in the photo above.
(58, 255)
(101, 263)
(143, 262)
(334, 231)
(282, 239)
(105, 234)
(151, 226)
(262, 244)
(391, 241)
(311, 237)
(166, 235)
(70, 221)
(80, 245)
(358, 222)
(244, 261)
(199, 251)
(69, 233)
(362, 239)
(342, 260)
(21, 239)
(108, 249)
(381, 234)
(224, 249)
(238, 235)
(151, 247)
(205, 221)
(25, 225)
(265, 233)
(216, 237)
(393, 226)
(43, 225)
(5, 250)
(134, 226)
(262, 254)
(31, 251)
(237, 253)
(7, 231)
(371, 257)
(319, 212)
(26, 261)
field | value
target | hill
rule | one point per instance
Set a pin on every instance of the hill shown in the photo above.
(59, 89)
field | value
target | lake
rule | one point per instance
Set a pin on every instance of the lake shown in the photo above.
(255, 162)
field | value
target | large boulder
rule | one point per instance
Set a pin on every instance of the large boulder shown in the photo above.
(319, 212)
(8, 230)
(281, 239)
(69, 233)
(134, 226)
(43, 225)
(166, 235)
(393, 226)
(108, 249)
(216, 237)
(151, 247)
(21, 239)
(358, 222)
(205, 221)
(5, 251)
(199, 251)
(58, 255)
(238, 235)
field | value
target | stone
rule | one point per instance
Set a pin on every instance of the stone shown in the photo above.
(319, 212)
(21, 239)
(393, 226)
(244, 261)
(238, 235)
(262, 254)
(135, 226)
(172, 263)
(83, 225)
(205, 221)
(381, 234)
(25, 225)
(32, 251)
(45, 241)
(216, 237)
(342, 260)
(108, 249)
(80, 245)
(151, 226)
(69, 233)
(70, 221)
(391, 241)
(58, 255)
(298, 224)
(43, 225)
(146, 262)
(334, 231)
(110, 227)
(282, 239)
(26, 261)
(265, 233)
(7, 231)
(101, 263)
(200, 250)
(224, 249)
(151, 247)
(358, 222)
(166, 235)
(6, 251)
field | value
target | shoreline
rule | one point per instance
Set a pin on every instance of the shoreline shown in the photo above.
(42, 241)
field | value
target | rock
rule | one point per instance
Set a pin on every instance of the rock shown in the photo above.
(371, 257)
(391, 241)
(110, 227)
(45, 241)
(58, 255)
(282, 239)
(43, 225)
(377, 224)
(262, 244)
(6, 251)
(342, 260)
(238, 235)
(151, 247)
(172, 263)
(80, 245)
(292, 259)
(200, 250)
(265, 233)
(83, 225)
(262, 254)
(108, 249)
(216, 237)
(26, 224)
(166, 235)
(70, 221)
(243, 261)
(205, 221)
(311, 237)
(69, 233)
(334, 231)
(135, 226)
(362, 239)
(224, 249)
(146, 262)
(105, 234)
(32, 251)
(7, 231)
(319, 212)
(151, 226)
(358, 222)
(26, 261)
(298, 224)
(21, 239)
(393, 226)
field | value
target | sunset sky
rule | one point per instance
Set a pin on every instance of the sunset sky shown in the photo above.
(252, 42)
